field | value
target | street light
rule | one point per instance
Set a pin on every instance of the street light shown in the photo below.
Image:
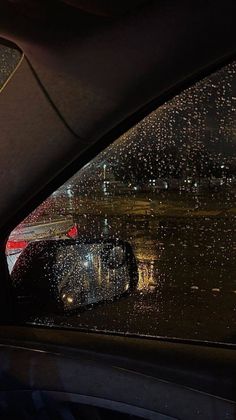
(104, 171)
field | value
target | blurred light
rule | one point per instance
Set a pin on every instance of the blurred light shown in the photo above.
(73, 232)
(70, 300)
(16, 244)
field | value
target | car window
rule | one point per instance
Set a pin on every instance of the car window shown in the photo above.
(141, 240)
(9, 59)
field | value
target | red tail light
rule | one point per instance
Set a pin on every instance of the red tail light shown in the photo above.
(73, 232)
(16, 244)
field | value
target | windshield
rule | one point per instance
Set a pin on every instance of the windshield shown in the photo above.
(166, 189)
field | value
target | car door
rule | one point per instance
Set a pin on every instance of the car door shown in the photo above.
(118, 300)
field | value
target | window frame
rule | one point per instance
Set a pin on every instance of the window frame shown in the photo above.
(7, 313)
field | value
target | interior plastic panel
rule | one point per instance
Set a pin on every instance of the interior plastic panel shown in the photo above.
(145, 380)
(29, 124)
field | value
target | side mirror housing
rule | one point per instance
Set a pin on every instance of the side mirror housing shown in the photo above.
(66, 275)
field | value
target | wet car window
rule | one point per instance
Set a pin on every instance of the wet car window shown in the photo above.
(142, 239)
(9, 59)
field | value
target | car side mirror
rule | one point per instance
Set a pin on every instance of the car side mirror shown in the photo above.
(65, 275)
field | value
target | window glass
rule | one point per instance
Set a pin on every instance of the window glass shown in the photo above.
(9, 58)
(142, 239)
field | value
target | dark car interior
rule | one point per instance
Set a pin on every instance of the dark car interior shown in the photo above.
(89, 70)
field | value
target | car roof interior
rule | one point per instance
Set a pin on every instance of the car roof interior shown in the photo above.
(89, 71)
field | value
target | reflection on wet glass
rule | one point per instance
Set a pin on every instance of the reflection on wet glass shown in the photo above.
(9, 58)
(168, 188)
(67, 275)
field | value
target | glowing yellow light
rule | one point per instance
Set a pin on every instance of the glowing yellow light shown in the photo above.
(70, 300)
